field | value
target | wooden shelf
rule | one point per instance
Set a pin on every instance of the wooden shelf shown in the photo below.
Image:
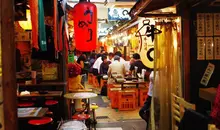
(43, 84)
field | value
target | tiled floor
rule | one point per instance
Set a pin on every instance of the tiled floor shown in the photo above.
(112, 119)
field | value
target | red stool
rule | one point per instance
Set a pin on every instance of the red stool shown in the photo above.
(25, 104)
(51, 102)
(42, 123)
(81, 117)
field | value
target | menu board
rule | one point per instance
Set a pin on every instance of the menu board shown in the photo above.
(208, 36)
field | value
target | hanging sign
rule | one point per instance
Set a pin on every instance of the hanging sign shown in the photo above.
(217, 48)
(209, 48)
(200, 48)
(209, 24)
(207, 75)
(200, 24)
(85, 26)
(216, 24)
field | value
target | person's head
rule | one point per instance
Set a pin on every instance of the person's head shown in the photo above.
(118, 53)
(104, 58)
(136, 56)
(92, 56)
(102, 51)
(110, 55)
(116, 58)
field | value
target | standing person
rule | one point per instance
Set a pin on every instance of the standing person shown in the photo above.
(145, 110)
(116, 67)
(92, 59)
(80, 61)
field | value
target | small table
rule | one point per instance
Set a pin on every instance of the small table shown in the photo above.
(31, 112)
(208, 94)
(81, 95)
(37, 94)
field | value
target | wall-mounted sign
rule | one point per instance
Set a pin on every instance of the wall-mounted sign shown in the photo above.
(115, 14)
(200, 48)
(217, 24)
(200, 24)
(209, 48)
(207, 75)
(217, 48)
(209, 24)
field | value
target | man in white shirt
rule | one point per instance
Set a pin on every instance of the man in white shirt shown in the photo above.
(145, 110)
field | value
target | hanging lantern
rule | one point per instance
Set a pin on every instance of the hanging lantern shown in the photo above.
(26, 25)
(85, 26)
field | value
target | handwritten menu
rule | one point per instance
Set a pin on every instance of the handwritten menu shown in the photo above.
(208, 36)
(207, 75)
(49, 71)
(200, 48)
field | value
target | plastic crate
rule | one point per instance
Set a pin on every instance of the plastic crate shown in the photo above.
(143, 96)
(114, 97)
(136, 94)
(127, 100)
(109, 86)
(90, 75)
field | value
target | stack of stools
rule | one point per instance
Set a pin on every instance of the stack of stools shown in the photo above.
(127, 100)
(53, 106)
(43, 123)
(114, 97)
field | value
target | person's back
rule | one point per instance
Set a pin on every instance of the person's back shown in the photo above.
(118, 67)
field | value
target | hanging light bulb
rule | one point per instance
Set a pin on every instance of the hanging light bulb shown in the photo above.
(26, 25)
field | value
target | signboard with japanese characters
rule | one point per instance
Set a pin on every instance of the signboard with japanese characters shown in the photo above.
(200, 24)
(200, 48)
(209, 48)
(217, 48)
(208, 24)
(207, 75)
(217, 24)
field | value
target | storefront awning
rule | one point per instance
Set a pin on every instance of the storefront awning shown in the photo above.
(144, 6)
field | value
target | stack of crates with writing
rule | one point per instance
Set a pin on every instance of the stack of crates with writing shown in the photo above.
(126, 100)
(136, 94)
(143, 92)
(114, 97)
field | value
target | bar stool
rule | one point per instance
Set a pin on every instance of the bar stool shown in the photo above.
(42, 123)
(93, 108)
(82, 117)
(53, 107)
(25, 104)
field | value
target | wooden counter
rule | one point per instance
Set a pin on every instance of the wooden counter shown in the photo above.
(208, 94)
(43, 84)
(37, 94)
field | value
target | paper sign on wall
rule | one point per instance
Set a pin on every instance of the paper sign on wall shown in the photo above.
(217, 48)
(209, 24)
(209, 48)
(207, 75)
(217, 24)
(200, 48)
(201, 24)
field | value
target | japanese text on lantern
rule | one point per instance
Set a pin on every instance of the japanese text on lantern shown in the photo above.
(217, 48)
(200, 48)
(209, 24)
(200, 24)
(209, 48)
(217, 24)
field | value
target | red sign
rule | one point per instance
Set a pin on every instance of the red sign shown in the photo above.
(85, 26)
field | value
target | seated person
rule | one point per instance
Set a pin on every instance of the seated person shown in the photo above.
(116, 67)
(104, 65)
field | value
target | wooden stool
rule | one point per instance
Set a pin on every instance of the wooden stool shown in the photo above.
(95, 81)
(53, 107)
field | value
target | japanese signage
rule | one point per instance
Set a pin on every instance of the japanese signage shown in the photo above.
(217, 24)
(115, 14)
(209, 24)
(200, 48)
(200, 24)
(207, 75)
(209, 48)
(217, 48)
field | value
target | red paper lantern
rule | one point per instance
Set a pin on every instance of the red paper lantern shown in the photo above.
(85, 26)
